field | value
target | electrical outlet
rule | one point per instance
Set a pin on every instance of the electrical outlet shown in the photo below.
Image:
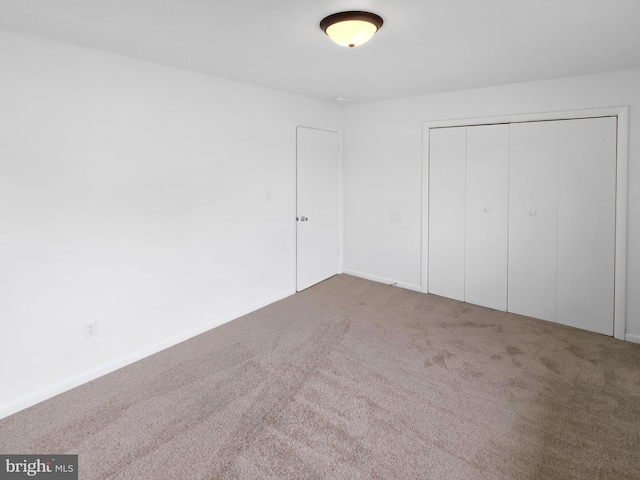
(90, 329)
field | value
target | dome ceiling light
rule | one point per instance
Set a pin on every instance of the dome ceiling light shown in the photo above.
(351, 29)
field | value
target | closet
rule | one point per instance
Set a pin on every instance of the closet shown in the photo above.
(522, 218)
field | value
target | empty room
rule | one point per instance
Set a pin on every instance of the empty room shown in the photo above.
(333, 240)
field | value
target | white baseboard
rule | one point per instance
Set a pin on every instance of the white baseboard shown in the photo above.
(388, 281)
(123, 361)
(632, 338)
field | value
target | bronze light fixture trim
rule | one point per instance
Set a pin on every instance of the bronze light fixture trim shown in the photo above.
(351, 29)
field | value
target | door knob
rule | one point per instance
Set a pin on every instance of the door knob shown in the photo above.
(303, 219)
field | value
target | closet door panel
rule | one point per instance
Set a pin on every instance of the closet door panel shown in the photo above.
(447, 151)
(486, 216)
(533, 219)
(586, 237)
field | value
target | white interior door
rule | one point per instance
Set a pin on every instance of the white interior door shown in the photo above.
(533, 219)
(487, 191)
(587, 213)
(317, 206)
(447, 151)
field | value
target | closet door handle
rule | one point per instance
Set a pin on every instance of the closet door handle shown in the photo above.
(533, 213)
(487, 210)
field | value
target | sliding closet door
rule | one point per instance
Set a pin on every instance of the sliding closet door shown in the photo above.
(586, 237)
(447, 151)
(533, 219)
(487, 193)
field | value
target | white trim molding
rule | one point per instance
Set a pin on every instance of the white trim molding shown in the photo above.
(622, 114)
(387, 281)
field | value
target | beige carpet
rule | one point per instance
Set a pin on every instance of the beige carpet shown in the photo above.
(356, 380)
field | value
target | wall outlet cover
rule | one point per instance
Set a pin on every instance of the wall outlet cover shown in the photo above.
(90, 329)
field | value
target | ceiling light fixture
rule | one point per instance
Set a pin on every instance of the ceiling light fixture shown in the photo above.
(351, 29)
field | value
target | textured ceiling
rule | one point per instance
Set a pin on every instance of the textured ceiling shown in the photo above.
(424, 46)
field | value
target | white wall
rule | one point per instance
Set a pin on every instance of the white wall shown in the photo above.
(383, 155)
(156, 201)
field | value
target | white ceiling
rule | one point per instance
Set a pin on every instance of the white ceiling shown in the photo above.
(424, 46)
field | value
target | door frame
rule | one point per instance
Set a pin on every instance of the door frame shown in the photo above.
(294, 206)
(622, 161)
